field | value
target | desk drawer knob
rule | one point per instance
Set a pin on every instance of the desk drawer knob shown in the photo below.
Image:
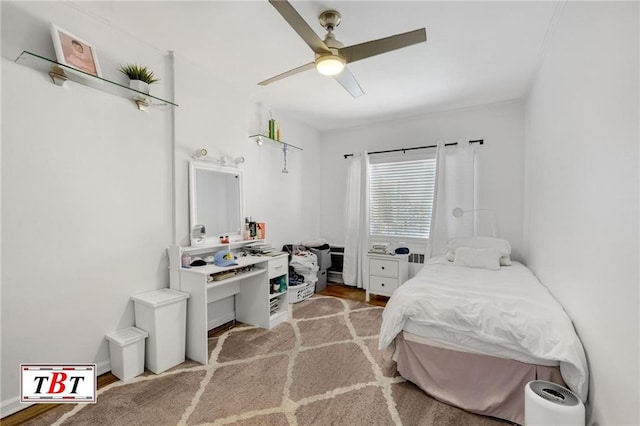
(382, 267)
(382, 284)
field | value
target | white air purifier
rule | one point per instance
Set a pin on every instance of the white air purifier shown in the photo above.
(549, 404)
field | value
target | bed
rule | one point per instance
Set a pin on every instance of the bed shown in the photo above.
(473, 327)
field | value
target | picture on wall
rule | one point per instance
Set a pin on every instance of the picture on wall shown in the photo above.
(74, 52)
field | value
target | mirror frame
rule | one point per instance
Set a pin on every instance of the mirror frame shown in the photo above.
(201, 165)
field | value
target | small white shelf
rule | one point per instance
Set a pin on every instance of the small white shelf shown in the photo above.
(215, 246)
(237, 277)
(274, 295)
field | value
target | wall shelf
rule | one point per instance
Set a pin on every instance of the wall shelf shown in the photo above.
(61, 73)
(262, 138)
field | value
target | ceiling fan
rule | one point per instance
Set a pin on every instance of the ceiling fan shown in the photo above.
(331, 56)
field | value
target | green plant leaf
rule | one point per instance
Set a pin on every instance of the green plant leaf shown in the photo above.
(138, 72)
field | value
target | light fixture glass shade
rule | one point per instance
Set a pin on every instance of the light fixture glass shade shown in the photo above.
(330, 64)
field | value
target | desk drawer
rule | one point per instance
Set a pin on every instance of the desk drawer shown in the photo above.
(222, 290)
(278, 267)
(383, 268)
(382, 285)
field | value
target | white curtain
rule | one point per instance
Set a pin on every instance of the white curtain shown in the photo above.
(455, 178)
(355, 268)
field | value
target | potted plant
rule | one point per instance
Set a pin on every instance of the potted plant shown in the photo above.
(139, 77)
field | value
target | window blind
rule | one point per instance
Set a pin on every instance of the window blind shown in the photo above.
(401, 198)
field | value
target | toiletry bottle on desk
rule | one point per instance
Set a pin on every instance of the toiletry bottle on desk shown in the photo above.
(186, 260)
(246, 235)
(252, 229)
(261, 232)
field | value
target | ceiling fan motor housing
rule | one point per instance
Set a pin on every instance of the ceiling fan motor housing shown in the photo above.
(329, 19)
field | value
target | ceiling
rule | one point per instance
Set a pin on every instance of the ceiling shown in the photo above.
(476, 52)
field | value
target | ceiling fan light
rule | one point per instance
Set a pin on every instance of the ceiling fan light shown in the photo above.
(330, 64)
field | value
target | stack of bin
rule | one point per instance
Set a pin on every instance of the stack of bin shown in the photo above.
(324, 262)
(305, 265)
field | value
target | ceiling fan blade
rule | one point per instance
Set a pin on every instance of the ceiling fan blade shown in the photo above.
(301, 68)
(349, 82)
(300, 26)
(375, 47)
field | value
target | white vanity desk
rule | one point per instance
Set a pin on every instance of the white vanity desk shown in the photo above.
(216, 204)
(251, 288)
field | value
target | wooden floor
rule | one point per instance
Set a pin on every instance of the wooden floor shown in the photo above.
(352, 293)
(332, 289)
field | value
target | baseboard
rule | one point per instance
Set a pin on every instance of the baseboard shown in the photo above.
(103, 367)
(12, 406)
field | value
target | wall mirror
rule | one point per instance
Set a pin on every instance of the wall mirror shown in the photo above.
(215, 200)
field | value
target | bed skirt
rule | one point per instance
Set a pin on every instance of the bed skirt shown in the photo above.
(477, 383)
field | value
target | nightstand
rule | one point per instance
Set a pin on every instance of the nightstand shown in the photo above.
(386, 273)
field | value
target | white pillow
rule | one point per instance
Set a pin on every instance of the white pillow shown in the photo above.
(482, 242)
(451, 255)
(504, 260)
(485, 258)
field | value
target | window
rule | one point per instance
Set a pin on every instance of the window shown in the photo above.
(401, 197)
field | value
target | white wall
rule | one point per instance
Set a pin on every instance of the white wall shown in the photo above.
(216, 117)
(581, 199)
(87, 188)
(499, 160)
(85, 196)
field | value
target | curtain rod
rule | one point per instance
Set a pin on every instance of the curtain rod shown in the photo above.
(480, 141)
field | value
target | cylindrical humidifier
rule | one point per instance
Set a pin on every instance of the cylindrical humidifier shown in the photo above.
(549, 404)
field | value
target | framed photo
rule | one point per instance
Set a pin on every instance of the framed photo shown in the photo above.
(75, 52)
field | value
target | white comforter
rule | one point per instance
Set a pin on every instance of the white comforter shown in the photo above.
(508, 308)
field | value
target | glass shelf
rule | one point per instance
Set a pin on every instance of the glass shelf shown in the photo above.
(260, 138)
(60, 73)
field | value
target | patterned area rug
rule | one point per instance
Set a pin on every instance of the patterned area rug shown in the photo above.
(320, 368)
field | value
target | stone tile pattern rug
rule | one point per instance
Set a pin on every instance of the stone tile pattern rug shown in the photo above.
(320, 368)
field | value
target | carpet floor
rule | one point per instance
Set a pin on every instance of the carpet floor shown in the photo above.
(322, 367)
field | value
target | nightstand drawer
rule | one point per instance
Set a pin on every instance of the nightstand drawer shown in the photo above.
(385, 268)
(382, 285)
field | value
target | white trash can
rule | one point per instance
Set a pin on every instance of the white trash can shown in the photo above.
(549, 404)
(163, 314)
(126, 348)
